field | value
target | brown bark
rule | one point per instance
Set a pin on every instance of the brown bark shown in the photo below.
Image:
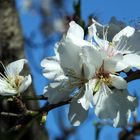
(11, 49)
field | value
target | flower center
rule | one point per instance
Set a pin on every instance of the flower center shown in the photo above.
(18, 80)
(102, 77)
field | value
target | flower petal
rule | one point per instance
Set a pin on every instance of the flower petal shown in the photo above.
(126, 105)
(7, 90)
(69, 56)
(75, 31)
(58, 91)
(105, 107)
(102, 43)
(118, 82)
(133, 60)
(15, 67)
(88, 95)
(77, 114)
(52, 68)
(127, 32)
(25, 83)
(122, 118)
(92, 60)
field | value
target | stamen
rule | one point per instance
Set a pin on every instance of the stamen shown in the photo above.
(7, 79)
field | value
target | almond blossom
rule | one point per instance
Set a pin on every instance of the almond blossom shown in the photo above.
(82, 71)
(11, 83)
(117, 47)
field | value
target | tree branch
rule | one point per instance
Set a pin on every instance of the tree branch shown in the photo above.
(132, 76)
(129, 134)
(10, 114)
(47, 107)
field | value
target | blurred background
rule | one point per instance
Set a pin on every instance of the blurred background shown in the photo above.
(30, 29)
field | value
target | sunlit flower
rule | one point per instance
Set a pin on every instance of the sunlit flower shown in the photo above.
(11, 83)
(118, 45)
(84, 72)
(116, 105)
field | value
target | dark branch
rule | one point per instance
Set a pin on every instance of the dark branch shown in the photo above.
(129, 134)
(132, 76)
(47, 107)
(10, 114)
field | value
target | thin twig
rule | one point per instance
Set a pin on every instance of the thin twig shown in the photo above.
(47, 107)
(39, 97)
(10, 114)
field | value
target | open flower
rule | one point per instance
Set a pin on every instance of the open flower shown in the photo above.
(11, 83)
(84, 72)
(117, 47)
(116, 105)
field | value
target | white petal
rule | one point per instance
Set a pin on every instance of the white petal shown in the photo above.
(134, 42)
(91, 55)
(88, 95)
(69, 56)
(133, 60)
(109, 65)
(115, 64)
(25, 83)
(58, 91)
(122, 118)
(89, 65)
(121, 65)
(15, 67)
(6, 91)
(118, 82)
(75, 31)
(93, 32)
(77, 114)
(105, 107)
(52, 68)
(126, 105)
(127, 32)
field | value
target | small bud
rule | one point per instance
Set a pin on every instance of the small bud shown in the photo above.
(44, 118)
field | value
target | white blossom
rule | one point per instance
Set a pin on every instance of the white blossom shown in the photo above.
(83, 71)
(11, 83)
(118, 46)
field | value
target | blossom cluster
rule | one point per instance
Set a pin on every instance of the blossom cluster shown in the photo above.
(88, 71)
(85, 71)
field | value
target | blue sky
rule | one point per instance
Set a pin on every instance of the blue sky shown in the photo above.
(122, 9)
(128, 9)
